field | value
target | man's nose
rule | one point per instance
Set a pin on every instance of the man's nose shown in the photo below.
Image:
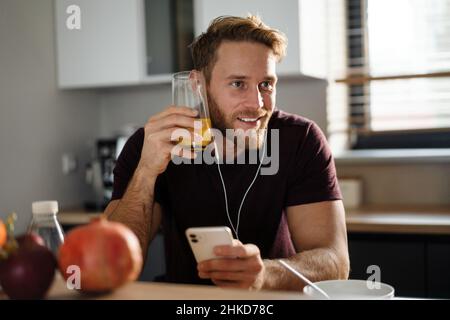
(255, 98)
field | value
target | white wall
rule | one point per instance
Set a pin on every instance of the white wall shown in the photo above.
(402, 184)
(38, 122)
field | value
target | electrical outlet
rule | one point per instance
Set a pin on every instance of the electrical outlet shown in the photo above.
(69, 163)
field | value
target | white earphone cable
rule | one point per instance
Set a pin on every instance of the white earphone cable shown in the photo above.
(236, 230)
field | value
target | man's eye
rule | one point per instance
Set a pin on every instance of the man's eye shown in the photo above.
(237, 84)
(266, 85)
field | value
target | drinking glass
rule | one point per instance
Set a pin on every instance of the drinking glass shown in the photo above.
(189, 90)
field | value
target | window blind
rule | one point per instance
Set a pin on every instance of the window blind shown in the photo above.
(397, 76)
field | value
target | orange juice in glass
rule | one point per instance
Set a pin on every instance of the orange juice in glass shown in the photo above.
(188, 89)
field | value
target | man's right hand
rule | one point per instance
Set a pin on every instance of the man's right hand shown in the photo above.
(157, 148)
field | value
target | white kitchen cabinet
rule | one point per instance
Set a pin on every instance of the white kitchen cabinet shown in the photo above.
(107, 49)
(122, 42)
(303, 22)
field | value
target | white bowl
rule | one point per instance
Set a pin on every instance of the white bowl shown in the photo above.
(351, 290)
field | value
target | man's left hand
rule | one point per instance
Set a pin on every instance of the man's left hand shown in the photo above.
(239, 266)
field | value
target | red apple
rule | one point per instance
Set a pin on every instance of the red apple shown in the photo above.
(28, 272)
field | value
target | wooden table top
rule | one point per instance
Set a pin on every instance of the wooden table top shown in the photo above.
(166, 291)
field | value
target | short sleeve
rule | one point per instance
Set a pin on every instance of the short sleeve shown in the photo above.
(312, 173)
(126, 163)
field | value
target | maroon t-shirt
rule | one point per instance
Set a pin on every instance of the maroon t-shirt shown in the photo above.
(191, 195)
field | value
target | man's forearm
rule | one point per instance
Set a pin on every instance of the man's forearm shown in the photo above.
(135, 209)
(316, 265)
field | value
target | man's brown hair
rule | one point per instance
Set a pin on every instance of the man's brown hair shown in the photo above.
(229, 28)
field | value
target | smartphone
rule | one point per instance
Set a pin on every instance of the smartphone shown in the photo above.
(203, 240)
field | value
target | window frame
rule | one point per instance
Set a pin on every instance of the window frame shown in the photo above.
(360, 135)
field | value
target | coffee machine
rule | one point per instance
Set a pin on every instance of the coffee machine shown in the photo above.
(99, 172)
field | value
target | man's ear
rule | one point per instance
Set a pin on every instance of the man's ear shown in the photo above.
(197, 79)
(194, 74)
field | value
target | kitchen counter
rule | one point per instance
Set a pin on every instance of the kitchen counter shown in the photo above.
(166, 291)
(76, 217)
(404, 220)
(411, 220)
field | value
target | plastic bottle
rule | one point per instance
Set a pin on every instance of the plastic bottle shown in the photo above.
(45, 224)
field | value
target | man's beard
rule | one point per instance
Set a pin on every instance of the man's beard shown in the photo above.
(221, 123)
